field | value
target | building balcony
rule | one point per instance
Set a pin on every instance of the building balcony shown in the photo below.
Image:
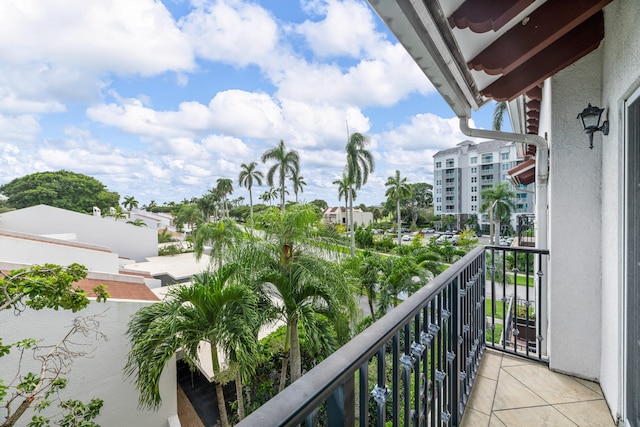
(514, 391)
(467, 349)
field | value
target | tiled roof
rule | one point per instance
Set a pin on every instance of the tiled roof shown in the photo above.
(119, 290)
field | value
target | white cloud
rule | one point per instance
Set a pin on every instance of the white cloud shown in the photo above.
(18, 128)
(102, 35)
(347, 29)
(231, 31)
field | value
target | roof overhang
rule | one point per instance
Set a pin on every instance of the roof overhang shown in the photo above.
(524, 173)
(477, 50)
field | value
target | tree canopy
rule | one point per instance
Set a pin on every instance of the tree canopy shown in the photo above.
(61, 189)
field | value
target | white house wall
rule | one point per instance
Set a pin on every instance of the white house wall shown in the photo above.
(22, 250)
(101, 374)
(587, 206)
(621, 71)
(126, 240)
(575, 272)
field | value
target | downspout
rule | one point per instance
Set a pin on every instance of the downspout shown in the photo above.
(542, 171)
(542, 213)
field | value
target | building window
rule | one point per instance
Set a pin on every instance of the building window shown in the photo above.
(505, 177)
(474, 170)
(474, 179)
(474, 160)
(474, 208)
(487, 158)
(474, 198)
(450, 198)
(474, 189)
(438, 190)
(505, 166)
(438, 182)
(450, 163)
(487, 168)
(438, 165)
(450, 189)
(438, 199)
(438, 174)
(504, 156)
(522, 195)
(438, 208)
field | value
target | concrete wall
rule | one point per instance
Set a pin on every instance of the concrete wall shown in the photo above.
(621, 71)
(24, 249)
(575, 273)
(126, 240)
(587, 206)
(100, 375)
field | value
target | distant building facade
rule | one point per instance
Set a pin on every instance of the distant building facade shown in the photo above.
(461, 173)
(340, 216)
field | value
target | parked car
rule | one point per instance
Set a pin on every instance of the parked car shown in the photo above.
(428, 231)
(407, 238)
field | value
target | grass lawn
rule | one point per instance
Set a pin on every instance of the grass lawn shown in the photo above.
(496, 334)
(499, 308)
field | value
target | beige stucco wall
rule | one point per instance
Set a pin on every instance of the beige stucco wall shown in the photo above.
(621, 72)
(587, 207)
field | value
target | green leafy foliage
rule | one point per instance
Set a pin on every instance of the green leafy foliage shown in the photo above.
(62, 189)
(38, 287)
(46, 286)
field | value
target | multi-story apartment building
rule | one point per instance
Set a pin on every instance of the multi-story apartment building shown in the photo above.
(461, 173)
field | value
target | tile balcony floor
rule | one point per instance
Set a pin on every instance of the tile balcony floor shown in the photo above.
(516, 392)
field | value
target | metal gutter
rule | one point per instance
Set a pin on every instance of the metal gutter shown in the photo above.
(542, 171)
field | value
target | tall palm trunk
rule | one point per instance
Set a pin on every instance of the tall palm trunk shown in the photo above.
(370, 301)
(353, 237)
(285, 359)
(222, 407)
(282, 193)
(296, 365)
(251, 210)
(239, 396)
(399, 222)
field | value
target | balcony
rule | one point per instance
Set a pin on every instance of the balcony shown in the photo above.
(427, 362)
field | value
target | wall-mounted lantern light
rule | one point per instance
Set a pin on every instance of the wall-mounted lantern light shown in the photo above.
(590, 121)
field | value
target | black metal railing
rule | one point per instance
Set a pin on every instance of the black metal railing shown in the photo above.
(525, 230)
(414, 366)
(516, 308)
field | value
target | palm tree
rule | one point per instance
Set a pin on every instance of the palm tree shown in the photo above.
(303, 277)
(224, 187)
(214, 309)
(498, 115)
(188, 214)
(117, 213)
(207, 205)
(345, 190)
(367, 267)
(221, 235)
(287, 164)
(249, 174)
(499, 200)
(398, 190)
(399, 274)
(130, 202)
(138, 222)
(298, 183)
(360, 164)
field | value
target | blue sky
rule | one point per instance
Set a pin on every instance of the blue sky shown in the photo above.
(160, 99)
